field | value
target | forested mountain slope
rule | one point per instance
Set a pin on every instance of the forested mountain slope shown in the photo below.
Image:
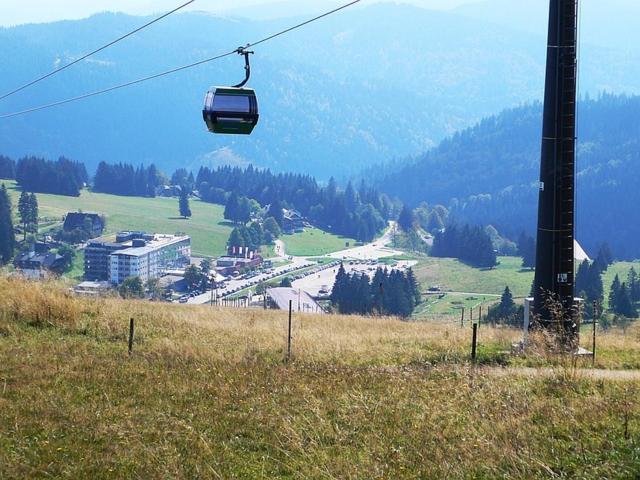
(488, 174)
(362, 87)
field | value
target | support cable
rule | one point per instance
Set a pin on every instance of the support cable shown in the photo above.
(178, 69)
(84, 57)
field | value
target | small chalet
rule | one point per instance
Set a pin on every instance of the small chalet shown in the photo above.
(292, 222)
(34, 265)
(83, 220)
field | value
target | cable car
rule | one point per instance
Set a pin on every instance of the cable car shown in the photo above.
(232, 110)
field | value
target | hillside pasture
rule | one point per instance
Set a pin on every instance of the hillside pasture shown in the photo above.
(208, 230)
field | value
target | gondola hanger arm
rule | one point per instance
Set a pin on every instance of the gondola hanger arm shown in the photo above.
(247, 66)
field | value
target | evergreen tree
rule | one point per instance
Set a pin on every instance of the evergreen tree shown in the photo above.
(24, 212)
(377, 290)
(275, 211)
(614, 293)
(339, 286)
(406, 220)
(623, 305)
(7, 235)
(506, 301)
(33, 212)
(183, 204)
(633, 280)
(244, 210)
(604, 258)
(271, 229)
(257, 235)
(527, 250)
(232, 207)
(7, 168)
(205, 266)
(414, 287)
(506, 311)
(589, 282)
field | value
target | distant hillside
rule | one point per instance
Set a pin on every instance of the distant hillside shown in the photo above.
(488, 173)
(363, 87)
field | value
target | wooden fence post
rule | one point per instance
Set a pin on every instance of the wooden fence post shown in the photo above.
(289, 334)
(474, 343)
(596, 315)
(130, 336)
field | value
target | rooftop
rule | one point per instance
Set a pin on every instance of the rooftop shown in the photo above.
(159, 241)
(300, 300)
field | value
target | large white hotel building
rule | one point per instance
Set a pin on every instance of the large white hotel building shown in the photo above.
(149, 257)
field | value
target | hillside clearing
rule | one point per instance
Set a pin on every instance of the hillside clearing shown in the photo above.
(451, 274)
(208, 230)
(314, 242)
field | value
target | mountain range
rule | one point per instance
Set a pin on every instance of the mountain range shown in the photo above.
(488, 174)
(360, 88)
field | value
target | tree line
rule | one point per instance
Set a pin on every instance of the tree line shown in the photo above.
(469, 244)
(126, 180)
(387, 293)
(477, 192)
(60, 177)
(624, 296)
(358, 213)
(7, 168)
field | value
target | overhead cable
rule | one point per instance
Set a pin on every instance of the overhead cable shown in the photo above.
(175, 70)
(84, 57)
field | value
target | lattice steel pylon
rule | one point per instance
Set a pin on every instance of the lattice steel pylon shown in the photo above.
(554, 276)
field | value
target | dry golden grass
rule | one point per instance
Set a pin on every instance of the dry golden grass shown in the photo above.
(207, 395)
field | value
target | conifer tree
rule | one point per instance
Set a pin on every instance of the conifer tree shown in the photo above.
(527, 250)
(183, 204)
(406, 219)
(604, 258)
(633, 280)
(339, 286)
(24, 211)
(7, 235)
(614, 293)
(33, 212)
(414, 287)
(623, 305)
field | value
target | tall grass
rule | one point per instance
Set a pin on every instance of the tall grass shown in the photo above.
(206, 394)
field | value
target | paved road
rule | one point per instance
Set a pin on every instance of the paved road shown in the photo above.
(239, 284)
(313, 283)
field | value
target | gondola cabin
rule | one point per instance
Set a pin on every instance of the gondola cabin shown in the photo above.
(230, 110)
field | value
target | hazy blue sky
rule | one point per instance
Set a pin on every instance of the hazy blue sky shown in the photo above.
(13, 12)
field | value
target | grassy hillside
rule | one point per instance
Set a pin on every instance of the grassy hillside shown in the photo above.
(207, 228)
(206, 394)
(314, 242)
(454, 275)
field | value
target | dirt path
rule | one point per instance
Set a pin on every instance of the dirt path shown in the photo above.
(593, 374)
